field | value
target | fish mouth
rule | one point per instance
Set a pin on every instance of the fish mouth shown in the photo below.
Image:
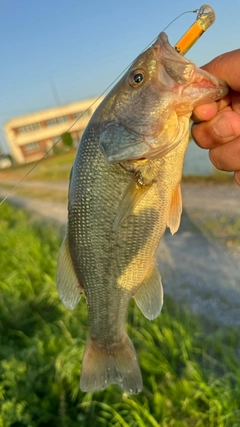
(186, 78)
(205, 85)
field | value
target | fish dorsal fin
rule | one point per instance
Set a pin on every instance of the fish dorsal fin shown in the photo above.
(131, 197)
(149, 296)
(67, 282)
(175, 210)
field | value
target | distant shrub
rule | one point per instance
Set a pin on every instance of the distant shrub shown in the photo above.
(67, 140)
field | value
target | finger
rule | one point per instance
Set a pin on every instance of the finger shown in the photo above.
(236, 102)
(227, 156)
(237, 177)
(224, 127)
(208, 111)
(204, 112)
(220, 67)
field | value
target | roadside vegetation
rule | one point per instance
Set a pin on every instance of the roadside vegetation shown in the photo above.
(191, 370)
(39, 191)
(55, 167)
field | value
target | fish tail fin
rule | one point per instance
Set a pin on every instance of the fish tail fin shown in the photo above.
(115, 364)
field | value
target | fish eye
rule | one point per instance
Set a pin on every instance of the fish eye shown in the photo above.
(137, 77)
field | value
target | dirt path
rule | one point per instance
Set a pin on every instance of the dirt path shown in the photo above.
(196, 269)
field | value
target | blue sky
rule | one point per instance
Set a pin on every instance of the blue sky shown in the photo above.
(80, 47)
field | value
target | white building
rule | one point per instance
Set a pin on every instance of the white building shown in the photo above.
(31, 136)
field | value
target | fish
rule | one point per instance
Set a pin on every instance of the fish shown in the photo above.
(124, 191)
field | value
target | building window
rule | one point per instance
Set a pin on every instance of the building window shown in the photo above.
(32, 146)
(51, 122)
(75, 116)
(80, 114)
(29, 128)
(62, 119)
(56, 120)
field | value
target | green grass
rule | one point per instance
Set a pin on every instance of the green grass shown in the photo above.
(56, 167)
(40, 192)
(191, 373)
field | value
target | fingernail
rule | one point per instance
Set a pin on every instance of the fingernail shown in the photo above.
(223, 128)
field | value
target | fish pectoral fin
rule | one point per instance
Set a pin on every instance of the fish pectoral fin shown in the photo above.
(149, 296)
(175, 211)
(67, 283)
(131, 197)
(113, 364)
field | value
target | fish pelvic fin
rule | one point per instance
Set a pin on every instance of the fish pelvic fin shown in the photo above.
(69, 290)
(131, 197)
(149, 296)
(114, 364)
(175, 211)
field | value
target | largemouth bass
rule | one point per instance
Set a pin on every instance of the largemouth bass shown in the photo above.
(124, 191)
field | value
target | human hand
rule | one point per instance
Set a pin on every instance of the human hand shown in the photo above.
(217, 125)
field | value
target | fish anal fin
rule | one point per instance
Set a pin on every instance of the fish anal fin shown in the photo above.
(149, 296)
(175, 210)
(131, 197)
(114, 364)
(69, 289)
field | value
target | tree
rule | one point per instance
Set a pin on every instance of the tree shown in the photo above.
(67, 140)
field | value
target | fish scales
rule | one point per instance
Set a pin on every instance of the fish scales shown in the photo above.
(124, 191)
(96, 232)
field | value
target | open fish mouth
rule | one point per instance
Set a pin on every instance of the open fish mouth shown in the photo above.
(179, 68)
(184, 77)
(204, 81)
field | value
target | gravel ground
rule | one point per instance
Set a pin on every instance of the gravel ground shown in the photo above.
(196, 269)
